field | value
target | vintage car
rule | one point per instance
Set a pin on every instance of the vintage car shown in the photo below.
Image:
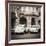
(20, 28)
(33, 28)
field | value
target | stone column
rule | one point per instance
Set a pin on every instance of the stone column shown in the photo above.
(28, 21)
(36, 22)
(17, 21)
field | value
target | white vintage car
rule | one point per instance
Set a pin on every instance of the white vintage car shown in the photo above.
(33, 28)
(20, 28)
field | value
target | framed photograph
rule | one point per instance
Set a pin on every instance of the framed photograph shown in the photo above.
(25, 22)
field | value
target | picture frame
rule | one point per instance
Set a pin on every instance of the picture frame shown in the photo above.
(26, 35)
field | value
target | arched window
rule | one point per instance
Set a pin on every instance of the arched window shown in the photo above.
(33, 21)
(39, 22)
(23, 20)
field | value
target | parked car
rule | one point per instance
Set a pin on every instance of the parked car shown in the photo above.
(34, 28)
(20, 28)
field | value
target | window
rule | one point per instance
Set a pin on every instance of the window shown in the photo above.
(23, 20)
(33, 21)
